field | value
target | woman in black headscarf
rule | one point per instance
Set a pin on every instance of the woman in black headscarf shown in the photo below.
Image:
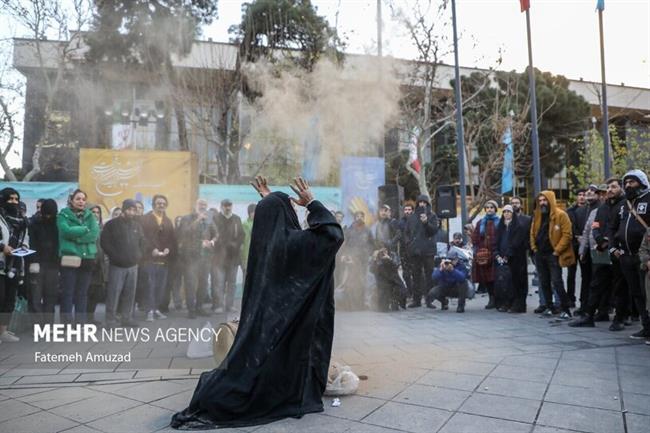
(277, 366)
(13, 228)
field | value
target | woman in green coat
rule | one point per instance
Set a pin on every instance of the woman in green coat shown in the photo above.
(78, 232)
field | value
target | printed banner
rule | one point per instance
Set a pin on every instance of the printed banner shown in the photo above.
(360, 178)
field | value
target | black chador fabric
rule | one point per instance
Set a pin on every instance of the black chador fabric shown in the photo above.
(277, 366)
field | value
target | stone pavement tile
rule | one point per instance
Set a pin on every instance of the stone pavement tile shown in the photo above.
(50, 379)
(637, 423)
(80, 429)
(140, 419)
(96, 407)
(311, 423)
(384, 389)
(59, 397)
(353, 407)
(175, 402)
(600, 399)
(183, 362)
(603, 355)
(497, 406)
(144, 363)
(530, 360)
(21, 371)
(94, 377)
(642, 360)
(367, 428)
(110, 387)
(466, 382)
(530, 373)
(465, 367)
(466, 423)
(512, 388)
(10, 409)
(410, 418)
(147, 392)
(639, 386)
(580, 418)
(162, 373)
(637, 403)
(21, 392)
(8, 380)
(393, 372)
(572, 366)
(440, 398)
(543, 429)
(40, 422)
(585, 381)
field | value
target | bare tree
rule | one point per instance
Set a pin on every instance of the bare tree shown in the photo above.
(44, 19)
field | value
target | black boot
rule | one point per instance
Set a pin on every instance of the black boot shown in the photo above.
(460, 308)
(491, 303)
(586, 321)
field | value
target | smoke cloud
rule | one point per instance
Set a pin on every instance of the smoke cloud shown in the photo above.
(322, 115)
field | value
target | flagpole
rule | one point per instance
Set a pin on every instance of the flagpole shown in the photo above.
(460, 133)
(605, 119)
(537, 186)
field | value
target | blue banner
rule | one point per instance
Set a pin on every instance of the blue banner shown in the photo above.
(360, 178)
(508, 173)
(600, 5)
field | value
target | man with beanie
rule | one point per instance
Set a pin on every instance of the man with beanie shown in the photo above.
(628, 230)
(550, 240)
(419, 233)
(44, 269)
(123, 242)
(227, 257)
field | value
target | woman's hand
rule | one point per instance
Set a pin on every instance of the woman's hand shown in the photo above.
(261, 186)
(301, 188)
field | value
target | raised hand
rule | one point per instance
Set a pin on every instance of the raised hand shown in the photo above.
(261, 186)
(301, 188)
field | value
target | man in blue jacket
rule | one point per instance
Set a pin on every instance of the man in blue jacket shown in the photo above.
(450, 279)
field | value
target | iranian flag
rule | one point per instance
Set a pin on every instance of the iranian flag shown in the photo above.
(413, 151)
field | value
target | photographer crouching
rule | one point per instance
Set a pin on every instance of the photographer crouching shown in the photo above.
(450, 280)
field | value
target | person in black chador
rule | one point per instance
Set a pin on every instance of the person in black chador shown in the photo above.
(277, 366)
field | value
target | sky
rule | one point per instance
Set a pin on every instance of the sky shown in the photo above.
(564, 34)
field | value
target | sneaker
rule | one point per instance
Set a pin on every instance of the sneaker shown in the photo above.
(647, 342)
(8, 337)
(460, 309)
(540, 309)
(150, 316)
(547, 313)
(445, 306)
(566, 315)
(637, 335)
(616, 326)
(159, 315)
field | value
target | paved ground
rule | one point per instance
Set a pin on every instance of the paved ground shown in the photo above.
(428, 371)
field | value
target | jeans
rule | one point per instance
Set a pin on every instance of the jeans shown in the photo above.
(74, 285)
(197, 270)
(120, 290)
(630, 267)
(156, 277)
(550, 276)
(224, 282)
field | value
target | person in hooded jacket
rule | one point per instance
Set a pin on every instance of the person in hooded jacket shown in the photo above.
(44, 239)
(550, 239)
(512, 239)
(484, 241)
(13, 229)
(627, 231)
(419, 233)
(278, 364)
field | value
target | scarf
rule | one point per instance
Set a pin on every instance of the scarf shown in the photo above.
(494, 218)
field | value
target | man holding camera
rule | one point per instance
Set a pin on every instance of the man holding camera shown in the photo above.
(450, 279)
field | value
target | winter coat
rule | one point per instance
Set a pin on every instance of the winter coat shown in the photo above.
(190, 235)
(227, 250)
(158, 237)
(77, 235)
(486, 273)
(628, 231)
(587, 240)
(420, 237)
(517, 238)
(605, 215)
(359, 242)
(560, 231)
(386, 234)
(449, 279)
(44, 239)
(247, 226)
(123, 242)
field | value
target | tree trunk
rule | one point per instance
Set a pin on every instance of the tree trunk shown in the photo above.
(177, 104)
